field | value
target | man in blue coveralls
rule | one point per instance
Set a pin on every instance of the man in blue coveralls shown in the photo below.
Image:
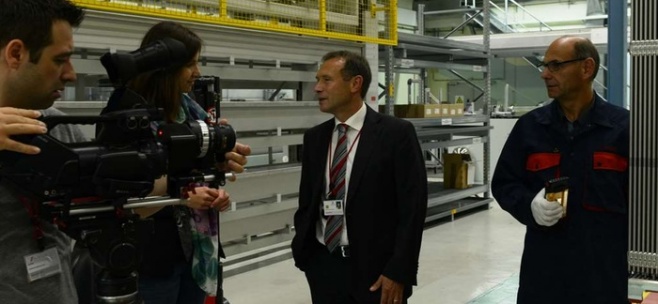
(577, 255)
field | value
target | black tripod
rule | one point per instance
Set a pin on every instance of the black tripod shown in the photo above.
(114, 252)
(108, 232)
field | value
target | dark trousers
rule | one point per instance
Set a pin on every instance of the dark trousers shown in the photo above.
(328, 277)
(330, 280)
(178, 288)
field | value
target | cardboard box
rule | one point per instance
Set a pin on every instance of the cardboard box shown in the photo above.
(427, 110)
(445, 110)
(455, 109)
(460, 109)
(455, 170)
(398, 110)
(415, 110)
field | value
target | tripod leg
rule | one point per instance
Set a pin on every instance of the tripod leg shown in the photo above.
(84, 274)
(219, 299)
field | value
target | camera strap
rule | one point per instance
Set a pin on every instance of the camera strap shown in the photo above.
(32, 208)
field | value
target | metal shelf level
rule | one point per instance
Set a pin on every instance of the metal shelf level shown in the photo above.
(454, 142)
(455, 207)
(437, 42)
(447, 121)
(453, 130)
(438, 195)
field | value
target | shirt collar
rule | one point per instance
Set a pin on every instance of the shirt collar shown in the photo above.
(583, 118)
(596, 113)
(356, 120)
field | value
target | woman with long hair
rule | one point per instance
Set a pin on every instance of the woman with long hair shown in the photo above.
(181, 254)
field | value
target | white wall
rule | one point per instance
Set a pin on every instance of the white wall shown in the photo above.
(501, 129)
(557, 15)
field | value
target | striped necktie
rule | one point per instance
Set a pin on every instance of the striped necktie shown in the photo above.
(334, 228)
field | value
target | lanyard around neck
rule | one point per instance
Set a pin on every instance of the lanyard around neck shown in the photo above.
(331, 160)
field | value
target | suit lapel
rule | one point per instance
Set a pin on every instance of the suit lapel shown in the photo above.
(367, 142)
(322, 143)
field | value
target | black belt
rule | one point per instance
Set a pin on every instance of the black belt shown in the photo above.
(342, 252)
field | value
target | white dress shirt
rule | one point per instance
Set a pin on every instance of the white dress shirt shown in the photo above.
(354, 123)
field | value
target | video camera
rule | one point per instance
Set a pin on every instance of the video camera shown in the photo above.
(122, 163)
(126, 156)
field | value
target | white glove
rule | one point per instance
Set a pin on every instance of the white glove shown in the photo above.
(545, 213)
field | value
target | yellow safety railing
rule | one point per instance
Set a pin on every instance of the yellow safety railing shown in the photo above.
(338, 19)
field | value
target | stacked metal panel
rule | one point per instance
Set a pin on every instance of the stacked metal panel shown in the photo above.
(643, 241)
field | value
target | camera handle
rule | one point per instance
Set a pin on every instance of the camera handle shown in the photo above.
(132, 203)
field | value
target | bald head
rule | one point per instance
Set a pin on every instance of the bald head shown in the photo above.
(574, 47)
(571, 64)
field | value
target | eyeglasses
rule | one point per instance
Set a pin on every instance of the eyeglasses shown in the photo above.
(555, 65)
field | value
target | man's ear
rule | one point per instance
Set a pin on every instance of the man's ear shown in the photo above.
(15, 53)
(357, 83)
(588, 68)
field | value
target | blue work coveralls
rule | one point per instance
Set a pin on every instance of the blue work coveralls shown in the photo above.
(582, 258)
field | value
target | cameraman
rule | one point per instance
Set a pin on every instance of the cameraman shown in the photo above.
(36, 43)
(178, 266)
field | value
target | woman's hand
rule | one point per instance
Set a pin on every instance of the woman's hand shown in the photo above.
(204, 198)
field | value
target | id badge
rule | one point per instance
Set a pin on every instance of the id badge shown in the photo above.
(333, 207)
(43, 264)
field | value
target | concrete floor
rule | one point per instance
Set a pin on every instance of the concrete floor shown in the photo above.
(474, 259)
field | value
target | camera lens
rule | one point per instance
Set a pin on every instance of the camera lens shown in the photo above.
(223, 141)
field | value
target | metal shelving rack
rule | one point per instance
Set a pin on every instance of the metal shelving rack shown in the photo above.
(643, 213)
(265, 196)
(415, 51)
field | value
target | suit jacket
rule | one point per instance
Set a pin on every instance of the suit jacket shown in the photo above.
(386, 201)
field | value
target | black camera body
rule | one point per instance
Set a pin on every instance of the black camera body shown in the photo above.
(102, 168)
(127, 156)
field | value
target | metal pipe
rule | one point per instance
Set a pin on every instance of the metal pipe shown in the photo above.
(389, 80)
(420, 19)
(462, 24)
(422, 85)
(478, 97)
(506, 12)
(506, 99)
(466, 80)
(486, 42)
(458, 10)
(323, 15)
(276, 92)
(643, 212)
(496, 6)
(133, 203)
(617, 24)
(409, 82)
(531, 15)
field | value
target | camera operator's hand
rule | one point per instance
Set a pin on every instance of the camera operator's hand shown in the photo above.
(236, 159)
(204, 198)
(19, 122)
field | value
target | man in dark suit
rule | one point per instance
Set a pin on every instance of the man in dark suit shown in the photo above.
(362, 197)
